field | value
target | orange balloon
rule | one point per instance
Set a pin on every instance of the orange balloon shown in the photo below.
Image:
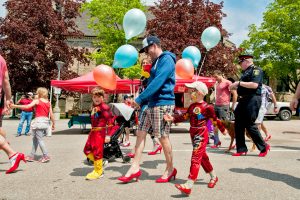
(185, 68)
(105, 77)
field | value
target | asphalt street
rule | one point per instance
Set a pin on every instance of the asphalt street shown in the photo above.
(276, 176)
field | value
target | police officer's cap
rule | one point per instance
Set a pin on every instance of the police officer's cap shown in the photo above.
(244, 57)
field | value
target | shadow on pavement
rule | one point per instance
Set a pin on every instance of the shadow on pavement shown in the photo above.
(152, 164)
(81, 171)
(287, 147)
(179, 196)
(73, 131)
(290, 132)
(274, 176)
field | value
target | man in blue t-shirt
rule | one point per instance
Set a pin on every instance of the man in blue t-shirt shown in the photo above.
(161, 100)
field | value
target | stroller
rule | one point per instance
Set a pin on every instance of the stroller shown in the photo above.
(124, 114)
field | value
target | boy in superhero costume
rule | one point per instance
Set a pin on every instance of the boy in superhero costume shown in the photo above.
(198, 113)
(102, 128)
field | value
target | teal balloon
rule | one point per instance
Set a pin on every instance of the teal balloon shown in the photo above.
(192, 53)
(210, 37)
(134, 23)
(125, 56)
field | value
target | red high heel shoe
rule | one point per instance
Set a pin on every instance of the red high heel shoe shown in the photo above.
(13, 168)
(125, 144)
(159, 148)
(165, 180)
(216, 146)
(212, 182)
(268, 138)
(240, 153)
(131, 155)
(132, 176)
(183, 190)
(268, 147)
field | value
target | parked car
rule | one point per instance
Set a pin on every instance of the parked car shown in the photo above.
(284, 111)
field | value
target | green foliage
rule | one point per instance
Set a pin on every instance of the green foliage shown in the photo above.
(35, 33)
(106, 19)
(276, 43)
(133, 72)
(180, 23)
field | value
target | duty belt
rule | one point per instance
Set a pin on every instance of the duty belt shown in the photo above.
(247, 96)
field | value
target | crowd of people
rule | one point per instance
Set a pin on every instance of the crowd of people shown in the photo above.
(156, 102)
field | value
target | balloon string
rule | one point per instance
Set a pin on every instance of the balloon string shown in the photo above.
(198, 74)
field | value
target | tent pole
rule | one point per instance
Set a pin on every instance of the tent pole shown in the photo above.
(51, 91)
(81, 101)
(133, 90)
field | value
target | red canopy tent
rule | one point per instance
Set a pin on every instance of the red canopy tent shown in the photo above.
(180, 82)
(86, 83)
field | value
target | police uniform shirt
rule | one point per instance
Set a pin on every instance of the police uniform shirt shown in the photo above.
(251, 74)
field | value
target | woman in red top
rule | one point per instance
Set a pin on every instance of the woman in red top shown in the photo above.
(198, 113)
(40, 124)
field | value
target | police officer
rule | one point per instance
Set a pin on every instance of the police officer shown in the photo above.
(246, 112)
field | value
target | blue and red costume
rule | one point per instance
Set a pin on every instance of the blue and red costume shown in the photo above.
(199, 113)
(102, 122)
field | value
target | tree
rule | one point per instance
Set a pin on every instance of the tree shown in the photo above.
(106, 19)
(276, 43)
(180, 23)
(34, 37)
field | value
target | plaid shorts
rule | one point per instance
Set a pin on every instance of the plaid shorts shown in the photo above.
(154, 118)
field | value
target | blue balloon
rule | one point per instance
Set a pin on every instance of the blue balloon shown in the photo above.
(210, 37)
(134, 23)
(192, 53)
(125, 56)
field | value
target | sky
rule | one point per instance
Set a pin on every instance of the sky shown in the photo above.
(240, 14)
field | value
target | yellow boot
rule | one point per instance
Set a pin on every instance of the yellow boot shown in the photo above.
(97, 172)
(90, 158)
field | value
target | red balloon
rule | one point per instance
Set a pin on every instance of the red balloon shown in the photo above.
(105, 77)
(185, 68)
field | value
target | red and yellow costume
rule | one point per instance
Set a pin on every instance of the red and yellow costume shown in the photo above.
(102, 122)
(199, 113)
